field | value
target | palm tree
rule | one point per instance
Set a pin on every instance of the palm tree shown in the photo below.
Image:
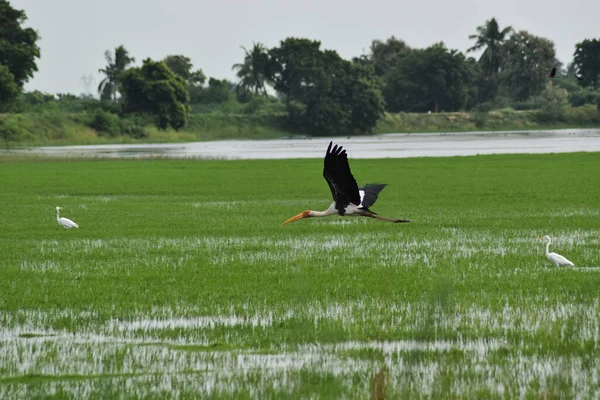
(492, 38)
(253, 72)
(109, 86)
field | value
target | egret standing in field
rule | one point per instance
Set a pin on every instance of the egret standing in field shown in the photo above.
(348, 199)
(554, 258)
(64, 222)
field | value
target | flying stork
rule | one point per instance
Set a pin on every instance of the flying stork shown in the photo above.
(348, 199)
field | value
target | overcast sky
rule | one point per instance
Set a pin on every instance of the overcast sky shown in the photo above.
(75, 33)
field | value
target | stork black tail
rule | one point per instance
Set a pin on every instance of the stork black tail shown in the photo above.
(371, 191)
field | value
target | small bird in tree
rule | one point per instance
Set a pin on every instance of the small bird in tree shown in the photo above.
(64, 222)
(554, 258)
(553, 73)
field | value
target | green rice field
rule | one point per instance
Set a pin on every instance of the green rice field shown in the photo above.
(182, 283)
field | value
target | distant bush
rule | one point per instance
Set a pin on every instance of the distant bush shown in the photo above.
(524, 105)
(584, 96)
(135, 127)
(264, 105)
(480, 118)
(38, 102)
(36, 98)
(500, 102)
(105, 123)
(218, 91)
(93, 105)
(37, 127)
(9, 130)
(109, 124)
(9, 89)
(483, 107)
(587, 115)
(244, 95)
(552, 103)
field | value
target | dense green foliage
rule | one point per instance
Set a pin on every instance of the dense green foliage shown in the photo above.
(526, 65)
(9, 89)
(182, 67)
(182, 282)
(259, 119)
(18, 53)
(299, 88)
(18, 47)
(154, 89)
(384, 56)
(434, 79)
(552, 103)
(587, 62)
(325, 94)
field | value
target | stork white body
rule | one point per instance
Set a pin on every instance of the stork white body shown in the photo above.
(350, 210)
(64, 222)
(555, 258)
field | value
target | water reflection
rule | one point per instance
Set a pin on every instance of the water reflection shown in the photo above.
(376, 146)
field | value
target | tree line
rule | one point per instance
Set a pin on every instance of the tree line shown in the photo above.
(318, 91)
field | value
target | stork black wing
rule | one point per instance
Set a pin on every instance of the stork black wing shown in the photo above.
(336, 171)
(371, 191)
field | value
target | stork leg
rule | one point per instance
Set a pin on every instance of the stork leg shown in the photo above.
(386, 219)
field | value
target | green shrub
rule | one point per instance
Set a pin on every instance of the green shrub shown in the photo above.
(9, 89)
(105, 123)
(523, 105)
(244, 95)
(9, 131)
(584, 96)
(134, 127)
(263, 105)
(37, 98)
(483, 107)
(587, 115)
(552, 103)
(218, 91)
(480, 118)
(255, 105)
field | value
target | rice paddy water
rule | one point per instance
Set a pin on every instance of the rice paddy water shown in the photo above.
(182, 283)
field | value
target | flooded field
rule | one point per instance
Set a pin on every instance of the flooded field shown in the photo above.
(182, 283)
(376, 146)
(137, 356)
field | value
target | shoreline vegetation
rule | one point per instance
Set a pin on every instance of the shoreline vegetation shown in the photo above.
(58, 128)
(298, 88)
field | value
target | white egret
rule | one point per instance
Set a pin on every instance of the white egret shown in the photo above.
(64, 222)
(554, 258)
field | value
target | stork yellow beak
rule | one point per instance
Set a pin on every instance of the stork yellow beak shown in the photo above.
(295, 218)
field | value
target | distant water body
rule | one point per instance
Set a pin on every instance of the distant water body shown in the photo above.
(394, 145)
